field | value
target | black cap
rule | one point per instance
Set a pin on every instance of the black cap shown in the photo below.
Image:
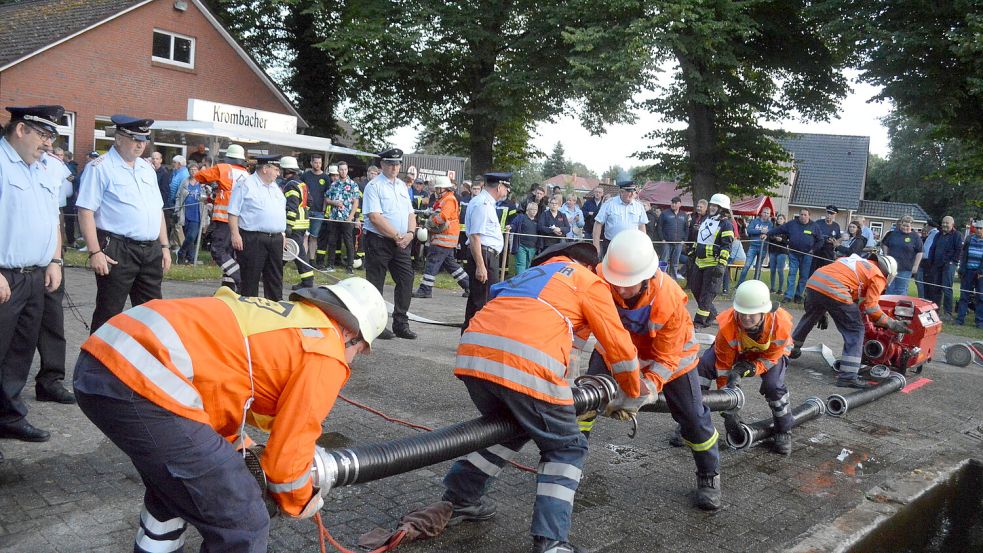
(137, 129)
(583, 252)
(498, 178)
(267, 160)
(832, 209)
(391, 155)
(677, 200)
(627, 185)
(932, 224)
(47, 117)
(93, 154)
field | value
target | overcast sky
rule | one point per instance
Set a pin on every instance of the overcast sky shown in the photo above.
(857, 117)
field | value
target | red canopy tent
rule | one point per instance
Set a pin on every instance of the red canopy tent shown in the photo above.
(661, 192)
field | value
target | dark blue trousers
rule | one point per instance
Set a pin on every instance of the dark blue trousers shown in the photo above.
(772, 387)
(562, 452)
(846, 317)
(192, 475)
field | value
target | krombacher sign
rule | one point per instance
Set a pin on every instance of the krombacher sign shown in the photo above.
(247, 118)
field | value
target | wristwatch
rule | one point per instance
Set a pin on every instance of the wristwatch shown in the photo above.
(59, 262)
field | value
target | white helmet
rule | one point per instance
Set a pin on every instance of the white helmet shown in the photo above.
(888, 266)
(333, 170)
(421, 234)
(721, 200)
(442, 181)
(354, 303)
(235, 151)
(630, 259)
(289, 162)
(752, 297)
(357, 264)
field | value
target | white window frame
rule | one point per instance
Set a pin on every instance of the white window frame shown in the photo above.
(877, 227)
(170, 61)
(68, 131)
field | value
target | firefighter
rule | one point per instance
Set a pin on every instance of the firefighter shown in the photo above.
(176, 401)
(653, 308)
(295, 191)
(836, 289)
(443, 224)
(513, 359)
(713, 241)
(224, 176)
(754, 339)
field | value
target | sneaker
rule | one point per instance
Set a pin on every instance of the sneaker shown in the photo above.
(471, 513)
(349, 271)
(546, 545)
(329, 268)
(708, 491)
(676, 437)
(853, 381)
(782, 443)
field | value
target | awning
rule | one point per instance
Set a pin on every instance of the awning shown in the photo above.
(248, 136)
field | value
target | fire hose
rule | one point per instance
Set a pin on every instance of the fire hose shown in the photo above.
(725, 399)
(838, 404)
(756, 432)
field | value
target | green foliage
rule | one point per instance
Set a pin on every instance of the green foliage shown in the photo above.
(557, 163)
(581, 170)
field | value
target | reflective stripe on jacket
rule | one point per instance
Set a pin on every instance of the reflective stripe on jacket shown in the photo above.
(713, 241)
(225, 175)
(189, 356)
(730, 345)
(447, 211)
(522, 338)
(848, 279)
(661, 329)
(295, 192)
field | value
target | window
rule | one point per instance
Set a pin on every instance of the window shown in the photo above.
(66, 131)
(174, 49)
(876, 227)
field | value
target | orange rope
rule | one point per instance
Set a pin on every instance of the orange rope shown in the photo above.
(324, 535)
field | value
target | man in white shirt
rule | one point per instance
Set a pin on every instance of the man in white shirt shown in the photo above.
(617, 215)
(257, 221)
(485, 241)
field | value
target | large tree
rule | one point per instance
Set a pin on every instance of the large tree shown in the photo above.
(481, 73)
(556, 163)
(739, 65)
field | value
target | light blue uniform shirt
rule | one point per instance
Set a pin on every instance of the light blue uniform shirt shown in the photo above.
(869, 235)
(391, 198)
(482, 219)
(617, 216)
(59, 173)
(125, 199)
(28, 211)
(260, 207)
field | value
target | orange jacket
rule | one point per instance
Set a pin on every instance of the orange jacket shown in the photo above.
(169, 352)
(848, 279)
(661, 329)
(733, 344)
(522, 338)
(447, 211)
(226, 175)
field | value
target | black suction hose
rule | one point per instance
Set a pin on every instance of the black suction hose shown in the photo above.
(838, 404)
(755, 432)
(725, 399)
(368, 462)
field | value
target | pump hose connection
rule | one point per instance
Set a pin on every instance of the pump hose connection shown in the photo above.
(339, 467)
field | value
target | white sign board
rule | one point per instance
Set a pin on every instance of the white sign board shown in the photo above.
(247, 118)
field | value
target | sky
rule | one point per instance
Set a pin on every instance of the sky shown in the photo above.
(857, 116)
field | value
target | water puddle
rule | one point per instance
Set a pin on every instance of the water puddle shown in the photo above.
(625, 454)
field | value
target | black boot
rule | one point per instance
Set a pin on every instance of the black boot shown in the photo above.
(423, 292)
(782, 443)
(708, 491)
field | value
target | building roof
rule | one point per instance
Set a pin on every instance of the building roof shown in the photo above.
(892, 210)
(662, 192)
(577, 183)
(831, 169)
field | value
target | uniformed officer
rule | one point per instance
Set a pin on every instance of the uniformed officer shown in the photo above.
(121, 217)
(30, 255)
(391, 225)
(258, 220)
(616, 216)
(485, 241)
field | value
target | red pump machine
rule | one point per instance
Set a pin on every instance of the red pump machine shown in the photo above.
(901, 352)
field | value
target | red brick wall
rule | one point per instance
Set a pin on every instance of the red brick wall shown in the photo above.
(108, 70)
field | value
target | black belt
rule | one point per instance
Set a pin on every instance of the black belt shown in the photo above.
(127, 240)
(23, 270)
(261, 233)
(489, 249)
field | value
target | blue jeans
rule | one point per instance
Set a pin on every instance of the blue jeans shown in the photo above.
(899, 286)
(776, 266)
(670, 254)
(754, 251)
(562, 453)
(187, 251)
(972, 282)
(798, 268)
(919, 279)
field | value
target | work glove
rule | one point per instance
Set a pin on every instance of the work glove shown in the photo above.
(719, 270)
(823, 322)
(743, 369)
(898, 326)
(625, 414)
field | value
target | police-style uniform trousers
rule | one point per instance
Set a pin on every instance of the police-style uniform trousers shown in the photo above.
(848, 321)
(381, 255)
(20, 322)
(262, 257)
(478, 296)
(51, 339)
(335, 235)
(137, 274)
(224, 254)
(685, 400)
(440, 258)
(772, 387)
(562, 449)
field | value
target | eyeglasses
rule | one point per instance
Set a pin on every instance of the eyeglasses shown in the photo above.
(44, 135)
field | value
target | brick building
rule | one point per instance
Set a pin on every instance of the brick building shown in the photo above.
(147, 58)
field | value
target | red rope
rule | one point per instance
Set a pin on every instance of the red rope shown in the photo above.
(325, 536)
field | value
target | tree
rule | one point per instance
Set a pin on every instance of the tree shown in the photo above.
(482, 73)
(615, 173)
(581, 170)
(556, 163)
(739, 65)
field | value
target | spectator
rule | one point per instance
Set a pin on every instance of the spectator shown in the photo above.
(757, 234)
(465, 195)
(616, 216)
(971, 274)
(652, 225)
(854, 243)
(191, 212)
(674, 226)
(737, 257)
(526, 241)
(68, 212)
(591, 208)
(198, 156)
(942, 260)
(929, 232)
(825, 252)
(537, 194)
(344, 197)
(865, 230)
(317, 184)
(179, 173)
(163, 176)
(905, 246)
(778, 257)
(803, 237)
(553, 223)
(575, 216)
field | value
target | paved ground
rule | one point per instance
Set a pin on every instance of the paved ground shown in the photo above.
(79, 493)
